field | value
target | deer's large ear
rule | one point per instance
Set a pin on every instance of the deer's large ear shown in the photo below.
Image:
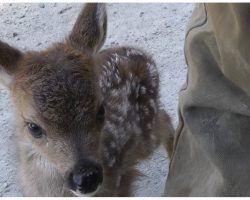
(9, 58)
(90, 28)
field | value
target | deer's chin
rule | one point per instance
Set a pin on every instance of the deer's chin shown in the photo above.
(80, 194)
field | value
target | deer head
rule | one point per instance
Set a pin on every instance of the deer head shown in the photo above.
(58, 104)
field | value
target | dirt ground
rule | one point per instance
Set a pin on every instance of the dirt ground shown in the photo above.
(157, 28)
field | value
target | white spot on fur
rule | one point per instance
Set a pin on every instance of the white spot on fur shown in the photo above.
(118, 78)
(133, 84)
(136, 107)
(153, 137)
(123, 107)
(104, 67)
(114, 117)
(134, 52)
(114, 93)
(128, 126)
(130, 76)
(110, 127)
(152, 68)
(137, 118)
(143, 90)
(120, 119)
(136, 129)
(109, 64)
(112, 145)
(111, 162)
(126, 88)
(115, 58)
(152, 104)
(146, 111)
(149, 126)
(153, 82)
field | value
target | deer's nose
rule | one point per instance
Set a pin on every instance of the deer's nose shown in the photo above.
(88, 181)
(87, 178)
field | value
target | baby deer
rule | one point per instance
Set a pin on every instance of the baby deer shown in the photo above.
(84, 118)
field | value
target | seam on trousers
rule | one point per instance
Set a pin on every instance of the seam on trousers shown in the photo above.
(194, 27)
(178, 133)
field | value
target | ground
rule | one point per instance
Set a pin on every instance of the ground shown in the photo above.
(157, 28)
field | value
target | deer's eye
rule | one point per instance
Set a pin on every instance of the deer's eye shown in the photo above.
(35, 130)
(100, 114)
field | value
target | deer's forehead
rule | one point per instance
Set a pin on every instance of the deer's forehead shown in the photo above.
(64, 99)
(63, 91)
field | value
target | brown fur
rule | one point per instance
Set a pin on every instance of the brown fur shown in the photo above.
(167, 132)
(62, 90)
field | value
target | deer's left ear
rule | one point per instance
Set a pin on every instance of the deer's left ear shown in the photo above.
(9, 58)
(90, 28)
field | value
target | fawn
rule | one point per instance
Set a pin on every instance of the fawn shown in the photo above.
(84, 118)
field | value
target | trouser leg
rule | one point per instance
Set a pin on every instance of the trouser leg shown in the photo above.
(212, 143)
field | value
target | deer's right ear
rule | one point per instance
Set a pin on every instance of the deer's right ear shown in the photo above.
(90, 28)
(9, 58)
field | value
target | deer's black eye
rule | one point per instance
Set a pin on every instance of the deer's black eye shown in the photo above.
(35, 130)
(100, 114)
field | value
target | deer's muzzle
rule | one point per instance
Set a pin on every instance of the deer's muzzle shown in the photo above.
(86, 177)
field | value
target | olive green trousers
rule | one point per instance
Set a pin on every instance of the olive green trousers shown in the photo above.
(212, 142)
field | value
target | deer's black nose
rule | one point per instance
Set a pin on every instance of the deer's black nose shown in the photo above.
(88, 181)
(86, 177)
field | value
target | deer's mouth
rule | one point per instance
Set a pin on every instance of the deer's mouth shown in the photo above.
(86, 178)
(78, 193)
